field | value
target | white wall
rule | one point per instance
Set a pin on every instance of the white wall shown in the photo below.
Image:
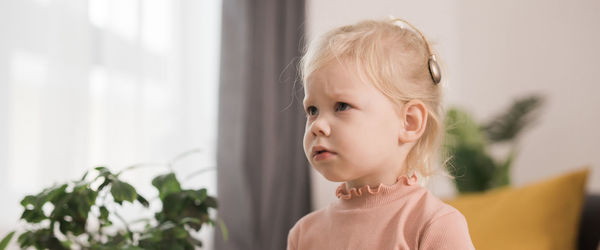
(496, 51)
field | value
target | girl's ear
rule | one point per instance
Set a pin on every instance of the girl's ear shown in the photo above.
(414, 120)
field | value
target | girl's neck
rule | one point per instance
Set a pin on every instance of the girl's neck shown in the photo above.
(387, 178)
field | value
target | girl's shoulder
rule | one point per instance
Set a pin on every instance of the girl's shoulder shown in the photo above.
(439, 210)
(303, 224)
(444, 223)
(311, 217)
(428, 208)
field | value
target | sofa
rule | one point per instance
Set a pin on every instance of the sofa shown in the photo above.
(589, 224)
(556, 213)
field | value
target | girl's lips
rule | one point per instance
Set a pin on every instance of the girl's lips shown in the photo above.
(323, 156)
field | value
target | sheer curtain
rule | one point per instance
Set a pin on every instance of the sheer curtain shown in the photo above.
(113, 83)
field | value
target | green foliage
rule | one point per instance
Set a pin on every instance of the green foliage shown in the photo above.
(166, 184)
(6, 240)
(468, 144)
(507, 126)
(58, 217)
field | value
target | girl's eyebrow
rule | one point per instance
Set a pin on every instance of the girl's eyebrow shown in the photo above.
(342, 95)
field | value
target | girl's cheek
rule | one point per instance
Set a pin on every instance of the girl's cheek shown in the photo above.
(305, 140)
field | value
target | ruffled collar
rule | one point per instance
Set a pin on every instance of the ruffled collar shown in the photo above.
(342, 193)
(367, 197)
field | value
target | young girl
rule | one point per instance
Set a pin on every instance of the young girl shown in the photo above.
(374, 121)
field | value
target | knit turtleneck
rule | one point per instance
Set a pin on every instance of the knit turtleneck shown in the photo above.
(403, 215)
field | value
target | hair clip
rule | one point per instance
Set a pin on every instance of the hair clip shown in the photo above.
(434, 68)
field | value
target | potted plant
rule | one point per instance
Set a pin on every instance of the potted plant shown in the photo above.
(468, 144)
(59, 216)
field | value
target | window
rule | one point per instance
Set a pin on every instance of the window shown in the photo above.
(113, 83)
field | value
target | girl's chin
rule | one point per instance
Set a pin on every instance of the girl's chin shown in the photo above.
(333, 177)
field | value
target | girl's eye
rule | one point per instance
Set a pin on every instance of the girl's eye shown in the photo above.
(342, 106)
(312, 110)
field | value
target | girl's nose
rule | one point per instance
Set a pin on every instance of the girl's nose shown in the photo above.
(320, 127)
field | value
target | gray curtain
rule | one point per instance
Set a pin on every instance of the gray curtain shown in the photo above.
(263, 176)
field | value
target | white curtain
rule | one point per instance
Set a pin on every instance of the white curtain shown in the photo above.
(112, 83)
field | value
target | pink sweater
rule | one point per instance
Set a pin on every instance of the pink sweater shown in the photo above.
(401, 216)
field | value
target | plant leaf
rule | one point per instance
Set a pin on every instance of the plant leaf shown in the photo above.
(28, 200)
(6, 240)
(143, 201)
(177, 202)
(55, 195)
(179, 232)
(122, 191)
(198, 196)
(211, 202)
(103, 170)
(194, 241)
(510, 124)
(103, 213)
(190, 219)
(166, 184)
(502, 173)
(461, 129)
(84, 175)
(465, 142)
(104, 184)
(33, 216)
(224, 230)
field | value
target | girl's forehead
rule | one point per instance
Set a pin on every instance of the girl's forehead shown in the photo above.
(336, 77)
(336, 87)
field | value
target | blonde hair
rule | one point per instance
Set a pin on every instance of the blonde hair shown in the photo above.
(395, 60)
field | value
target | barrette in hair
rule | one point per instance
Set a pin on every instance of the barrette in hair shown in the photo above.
(434, 68)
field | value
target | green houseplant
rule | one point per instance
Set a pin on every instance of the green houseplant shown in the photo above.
(468, 144)
(59, 216)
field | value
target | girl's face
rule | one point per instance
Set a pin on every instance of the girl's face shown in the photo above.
(355, 122)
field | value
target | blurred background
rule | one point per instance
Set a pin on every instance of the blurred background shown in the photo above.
(115, 83)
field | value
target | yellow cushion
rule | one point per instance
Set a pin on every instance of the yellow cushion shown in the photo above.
(544, 215)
